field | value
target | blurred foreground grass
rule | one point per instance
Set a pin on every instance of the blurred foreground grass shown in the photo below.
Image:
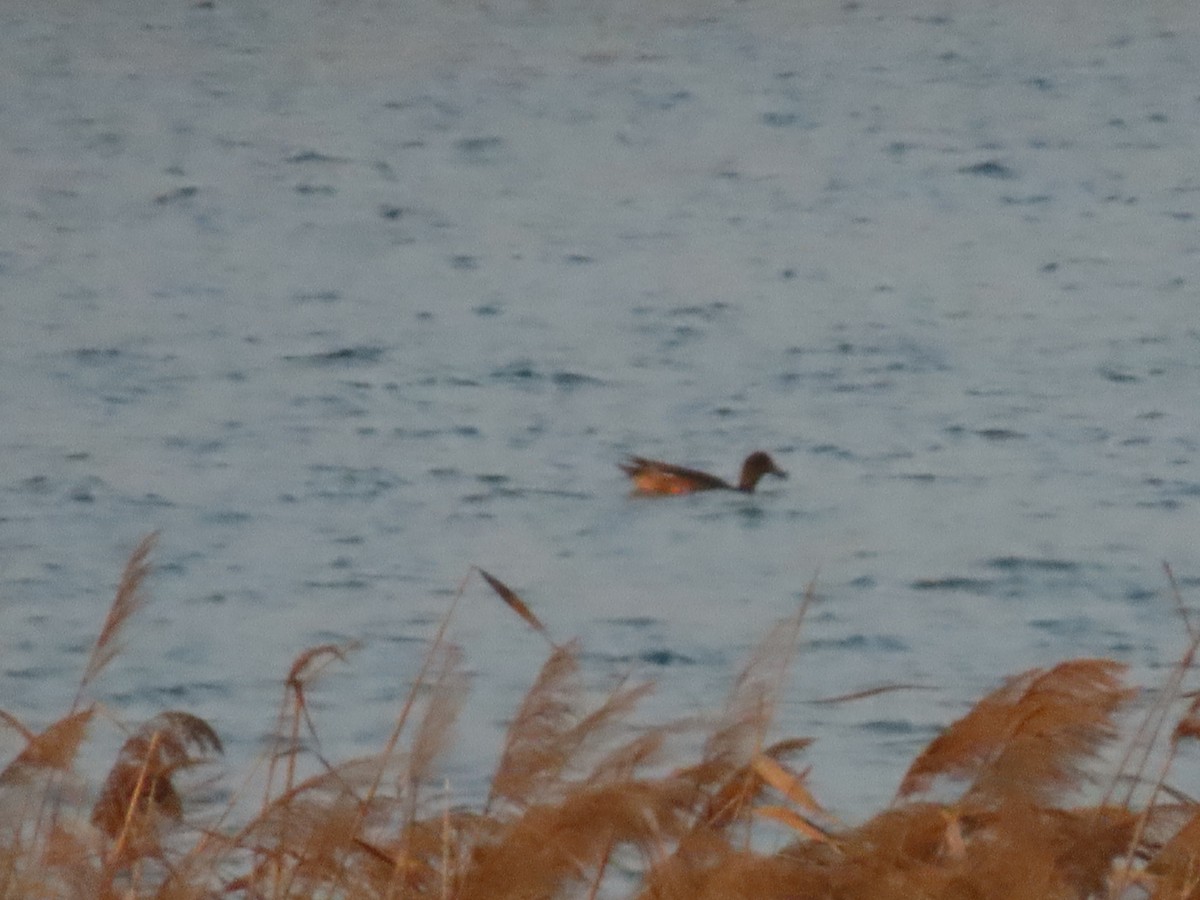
(582, 804)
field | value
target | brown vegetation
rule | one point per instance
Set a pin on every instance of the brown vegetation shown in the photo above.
(579, 794)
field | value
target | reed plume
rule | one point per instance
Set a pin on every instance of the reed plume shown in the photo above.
(535, 750)
(55, 748)
(139, 797)
(434, 731)
(725, 775)
(1029, 738)
(128, 600)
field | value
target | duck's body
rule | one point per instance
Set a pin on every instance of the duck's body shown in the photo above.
(652, 476)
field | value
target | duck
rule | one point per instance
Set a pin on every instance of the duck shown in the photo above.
(654, 477)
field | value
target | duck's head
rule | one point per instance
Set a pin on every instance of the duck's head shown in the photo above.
(757, 465)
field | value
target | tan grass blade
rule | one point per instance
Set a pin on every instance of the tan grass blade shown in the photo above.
(1188, 727)
(515, 603)
(1137, 757)
(787, 747)
(312, 661)
(1136, 761)
(432, 657)
(305, 669)
(786, 783)
(794, 821)
(17, 725)
(870, 692)
(129, 599)
(314, 667)
(598, 879)
(729, 801)
(1030, 736)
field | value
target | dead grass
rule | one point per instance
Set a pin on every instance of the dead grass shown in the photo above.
(995, 807)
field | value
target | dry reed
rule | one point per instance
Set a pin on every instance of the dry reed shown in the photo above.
(582, 803)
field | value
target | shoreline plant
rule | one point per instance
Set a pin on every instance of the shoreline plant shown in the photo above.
(584, 804)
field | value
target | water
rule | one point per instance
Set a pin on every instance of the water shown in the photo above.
(348, 298)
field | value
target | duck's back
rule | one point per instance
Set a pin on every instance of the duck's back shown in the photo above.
(652, 476)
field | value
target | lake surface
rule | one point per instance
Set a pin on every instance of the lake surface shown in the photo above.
(347, 298)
